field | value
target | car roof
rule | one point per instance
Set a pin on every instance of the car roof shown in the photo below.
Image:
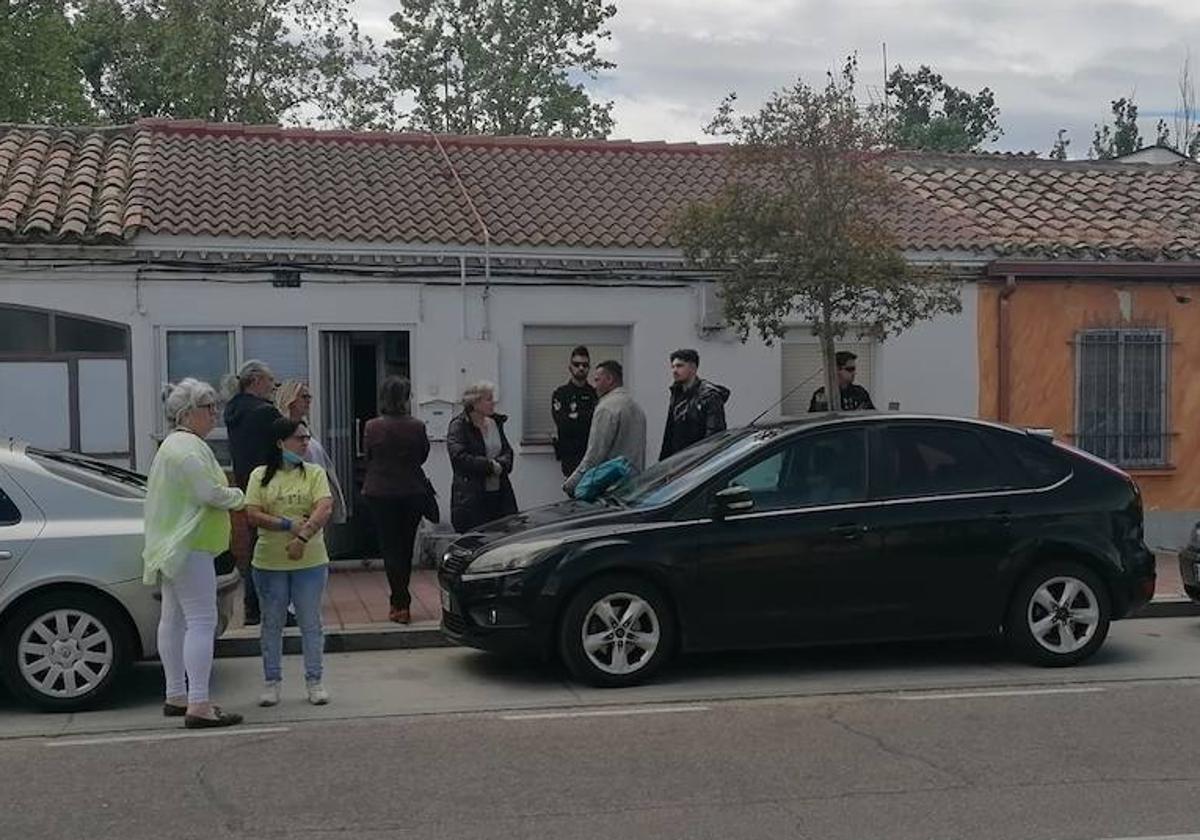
(834, 417)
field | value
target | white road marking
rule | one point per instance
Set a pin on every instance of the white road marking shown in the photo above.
(642, 710)
(1162, 837)
(1016, 692)
(166, 736)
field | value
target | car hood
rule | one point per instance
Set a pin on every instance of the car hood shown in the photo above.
(562, 518)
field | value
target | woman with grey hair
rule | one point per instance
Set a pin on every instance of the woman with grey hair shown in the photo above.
(396, 445)
(188, 500)
(481, 459)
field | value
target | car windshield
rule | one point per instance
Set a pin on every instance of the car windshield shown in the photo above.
(107, 478)
(671, 478)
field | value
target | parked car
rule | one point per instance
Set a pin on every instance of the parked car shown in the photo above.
(1189, 565)
(853, 528)
(74, 612)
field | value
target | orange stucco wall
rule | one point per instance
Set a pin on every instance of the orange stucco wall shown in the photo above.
(1044, 318)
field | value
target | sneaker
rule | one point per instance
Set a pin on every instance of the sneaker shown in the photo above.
(317, 695)
(270, 695)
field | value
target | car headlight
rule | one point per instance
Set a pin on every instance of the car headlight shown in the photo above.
(508, 558)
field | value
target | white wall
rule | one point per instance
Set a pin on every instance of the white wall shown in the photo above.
(931, 368)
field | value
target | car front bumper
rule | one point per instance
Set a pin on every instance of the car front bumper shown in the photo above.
(503, 614)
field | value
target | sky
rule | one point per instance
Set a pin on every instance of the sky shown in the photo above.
(1051, 63)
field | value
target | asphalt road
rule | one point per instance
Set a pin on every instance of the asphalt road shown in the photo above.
(905, 741)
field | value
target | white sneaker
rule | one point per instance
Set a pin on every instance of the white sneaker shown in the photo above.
(317, 695)
(270, 695)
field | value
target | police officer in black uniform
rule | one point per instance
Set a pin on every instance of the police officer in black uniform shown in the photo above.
(572, 406)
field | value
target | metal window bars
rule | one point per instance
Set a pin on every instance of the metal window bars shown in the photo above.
(1121, 395)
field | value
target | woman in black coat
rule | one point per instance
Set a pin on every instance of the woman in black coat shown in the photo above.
(481, 459)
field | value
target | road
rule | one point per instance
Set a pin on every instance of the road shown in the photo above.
(905, 741)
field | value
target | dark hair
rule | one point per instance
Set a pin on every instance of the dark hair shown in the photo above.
(581, 351)
(843, 356)
(686, 354)
(281, 429)
(614, 369)
(394, 394)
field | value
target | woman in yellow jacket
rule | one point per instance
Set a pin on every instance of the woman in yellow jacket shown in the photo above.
(188, 500)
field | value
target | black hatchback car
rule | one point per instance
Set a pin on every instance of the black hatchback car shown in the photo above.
(837, 528)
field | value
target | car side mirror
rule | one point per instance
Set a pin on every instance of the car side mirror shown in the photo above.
(731, 500)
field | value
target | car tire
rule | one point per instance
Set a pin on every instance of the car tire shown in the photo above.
(1059, 615)
(81, 634)
(604, 644)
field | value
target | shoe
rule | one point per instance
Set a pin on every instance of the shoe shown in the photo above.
(221, 719)
(270, 695)
(400, 616)
(252, 619)
(317, 695)
(171, 710)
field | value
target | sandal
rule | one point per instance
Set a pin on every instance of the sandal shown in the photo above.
(221, 719)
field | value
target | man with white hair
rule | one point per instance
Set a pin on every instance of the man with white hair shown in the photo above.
(248, 419)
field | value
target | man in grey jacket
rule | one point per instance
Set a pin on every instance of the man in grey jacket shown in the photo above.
(618, 426)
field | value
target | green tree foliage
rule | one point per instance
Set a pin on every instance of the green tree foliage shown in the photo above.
(248, 61)
(924, 112)
(1122, 137)
(501, 66)
(797, 233)
(39, 82)
(1059, 151)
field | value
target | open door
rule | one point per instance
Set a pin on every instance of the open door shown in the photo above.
(337, 414)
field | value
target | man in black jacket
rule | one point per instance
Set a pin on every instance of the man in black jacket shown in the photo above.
(697, 407)
(248, 419)
(853, 397)
(572, 406)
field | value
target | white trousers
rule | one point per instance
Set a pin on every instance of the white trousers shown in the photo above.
(188, 627)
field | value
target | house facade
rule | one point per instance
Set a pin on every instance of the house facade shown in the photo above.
(135, 256)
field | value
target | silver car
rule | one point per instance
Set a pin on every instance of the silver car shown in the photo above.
(74, 613)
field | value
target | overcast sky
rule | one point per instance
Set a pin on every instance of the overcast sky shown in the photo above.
(1051, 63)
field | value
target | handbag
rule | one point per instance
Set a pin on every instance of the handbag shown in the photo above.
(429, 503)
(601, 477)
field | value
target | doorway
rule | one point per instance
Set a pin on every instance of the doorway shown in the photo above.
(353, 364)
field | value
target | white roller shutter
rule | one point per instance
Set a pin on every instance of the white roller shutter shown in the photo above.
(803, 371)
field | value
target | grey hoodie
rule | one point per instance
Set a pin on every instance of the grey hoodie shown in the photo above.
(618, 430)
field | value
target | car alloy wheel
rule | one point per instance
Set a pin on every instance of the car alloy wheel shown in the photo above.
(620, 633)
(1063, 615)
(65, 654)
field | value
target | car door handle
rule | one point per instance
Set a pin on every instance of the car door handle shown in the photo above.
(849, 531)
(5, 555)
(1001, 517)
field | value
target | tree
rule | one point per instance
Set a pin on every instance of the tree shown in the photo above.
(799, 230)
(1123, 137)
(1187, 116)
(38, 79)
(252, 61)
(502, 66)
(1059, 152)
(924, 112)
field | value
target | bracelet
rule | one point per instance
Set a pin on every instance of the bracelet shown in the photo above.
(285, 524)
(302, 538)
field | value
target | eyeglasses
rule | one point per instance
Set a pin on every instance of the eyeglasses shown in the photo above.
(850, 368)
(302, 438)
(208, 406)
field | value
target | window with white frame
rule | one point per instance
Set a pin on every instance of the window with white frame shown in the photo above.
(804, 370)
(547, 355)
(1121, 395)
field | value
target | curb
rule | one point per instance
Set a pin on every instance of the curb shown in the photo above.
(1169, 608)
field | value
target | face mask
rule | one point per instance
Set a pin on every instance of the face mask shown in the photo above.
(290, 457)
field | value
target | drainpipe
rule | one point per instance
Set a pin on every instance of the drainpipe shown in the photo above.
(485, 333)
(1004, 342)
(462, 286)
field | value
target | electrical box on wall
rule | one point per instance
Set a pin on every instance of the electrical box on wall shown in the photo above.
(436, 413)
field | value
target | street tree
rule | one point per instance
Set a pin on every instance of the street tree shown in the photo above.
(1121, 138)
(254, 61)
(925, 112)
(1059, 151)
(799, 230)
(39, 82)
(502, 66)
(1186, 138)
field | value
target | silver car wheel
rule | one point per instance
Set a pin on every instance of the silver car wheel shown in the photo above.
(620, 633)
(1063, 614)
(65, 653)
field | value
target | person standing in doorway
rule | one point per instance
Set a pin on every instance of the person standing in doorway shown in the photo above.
(481, 459)
(572, 406)
(396, 446)
(248, 419)
(188, 500)
(853, 397)
(618, 426)
(289, 502)
(697, 407)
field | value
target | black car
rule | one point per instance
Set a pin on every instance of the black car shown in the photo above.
(836, 528)
(1189, 565)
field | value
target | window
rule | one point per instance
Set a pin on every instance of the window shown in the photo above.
(804, 370)
(203, 355)
(284, 349)
(1121, 395)
(919, 460)
(824, 468)
(1040, 462)
(78, 335)
(547, 354)
(9, 515)
(24, 331)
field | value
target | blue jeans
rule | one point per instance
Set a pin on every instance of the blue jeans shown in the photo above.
(304, 588)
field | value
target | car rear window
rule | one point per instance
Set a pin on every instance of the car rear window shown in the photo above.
(1040, 463)
(9, 515)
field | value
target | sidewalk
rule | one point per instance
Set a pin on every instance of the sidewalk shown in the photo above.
(356, 608)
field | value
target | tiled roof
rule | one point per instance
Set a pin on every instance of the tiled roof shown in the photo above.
(262, 182)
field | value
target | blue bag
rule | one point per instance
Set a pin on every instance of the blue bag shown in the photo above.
(601, 477)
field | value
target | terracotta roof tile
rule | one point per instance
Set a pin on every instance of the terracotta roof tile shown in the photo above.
(190, 178)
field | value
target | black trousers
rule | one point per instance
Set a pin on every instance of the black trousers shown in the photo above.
(396, 521)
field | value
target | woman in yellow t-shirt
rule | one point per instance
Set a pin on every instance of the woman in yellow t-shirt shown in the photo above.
(290, 502)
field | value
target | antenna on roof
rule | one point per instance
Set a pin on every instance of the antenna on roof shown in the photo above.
(782, 399)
